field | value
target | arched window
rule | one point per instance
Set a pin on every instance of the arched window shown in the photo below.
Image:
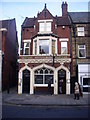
(43, 76)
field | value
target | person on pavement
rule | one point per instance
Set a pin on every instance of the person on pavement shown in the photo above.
(76, 91)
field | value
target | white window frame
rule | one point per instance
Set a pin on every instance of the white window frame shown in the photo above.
(85, 86)
(64, 40)
(80, 31)
(45, 30)
(82, 49)
(43, 74)
(50, 44)
(26, 41)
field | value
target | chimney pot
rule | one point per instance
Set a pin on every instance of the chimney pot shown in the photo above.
(64, 8)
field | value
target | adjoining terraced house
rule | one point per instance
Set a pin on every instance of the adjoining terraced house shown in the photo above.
(80, 49)
(45, 53)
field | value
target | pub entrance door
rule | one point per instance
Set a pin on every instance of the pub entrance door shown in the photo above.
(61, 81)
(26, 81)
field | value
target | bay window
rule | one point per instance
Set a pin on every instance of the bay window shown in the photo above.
(35, 42)
(53, 46)
(43, 46)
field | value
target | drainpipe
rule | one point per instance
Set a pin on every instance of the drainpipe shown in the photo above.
(0, 71)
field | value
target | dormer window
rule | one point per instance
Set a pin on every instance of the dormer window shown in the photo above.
(45, 26)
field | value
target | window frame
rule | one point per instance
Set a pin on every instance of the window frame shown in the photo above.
(81, 49)
(26, 41)
(45, 30)
(64, 40)
(65, 47)
(43, 76)
(80, 33)
(50, 45)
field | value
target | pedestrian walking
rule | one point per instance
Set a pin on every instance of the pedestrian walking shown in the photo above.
(76, 91)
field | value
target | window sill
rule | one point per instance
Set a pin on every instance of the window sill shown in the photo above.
(48, 32)
(81, 57)
(43, 85)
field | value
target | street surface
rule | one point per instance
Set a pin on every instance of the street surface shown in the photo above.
(12, 111)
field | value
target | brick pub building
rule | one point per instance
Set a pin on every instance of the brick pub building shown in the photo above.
(45, 53)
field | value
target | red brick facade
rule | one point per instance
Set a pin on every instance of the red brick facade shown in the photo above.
(9, 53)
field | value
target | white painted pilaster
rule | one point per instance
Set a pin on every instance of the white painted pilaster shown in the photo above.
(55, 83)
(20, 83)
(68, 87)
(31, 83)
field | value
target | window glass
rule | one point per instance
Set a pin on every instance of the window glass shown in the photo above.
(53, 46)
(63, 47)
(26, 48)
(38, 79)
(43, 76)
(48, 78)
(41, 27)
(45, 26)
(82, 51)
(43, 46)
(80, 31)
(48, 26)
(35, 46)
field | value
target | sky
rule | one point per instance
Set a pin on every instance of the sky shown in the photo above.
(19, 9)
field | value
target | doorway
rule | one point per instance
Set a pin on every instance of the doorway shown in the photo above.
(61, 81)
(26, 81)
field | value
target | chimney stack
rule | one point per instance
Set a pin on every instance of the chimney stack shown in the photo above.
(64, 8)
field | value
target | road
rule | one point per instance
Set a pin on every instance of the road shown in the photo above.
(12, 111)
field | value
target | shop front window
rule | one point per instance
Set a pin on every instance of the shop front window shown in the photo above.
(43, 76)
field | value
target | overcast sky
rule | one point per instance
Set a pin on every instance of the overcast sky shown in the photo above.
(20, 9)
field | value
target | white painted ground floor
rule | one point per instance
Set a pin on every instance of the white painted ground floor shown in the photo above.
(84, 77)
(30, 79)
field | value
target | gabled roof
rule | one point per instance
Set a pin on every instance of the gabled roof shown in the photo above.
(45, 14)
(79, 17)
(5, 23)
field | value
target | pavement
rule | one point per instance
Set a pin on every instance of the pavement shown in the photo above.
(44, 100)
